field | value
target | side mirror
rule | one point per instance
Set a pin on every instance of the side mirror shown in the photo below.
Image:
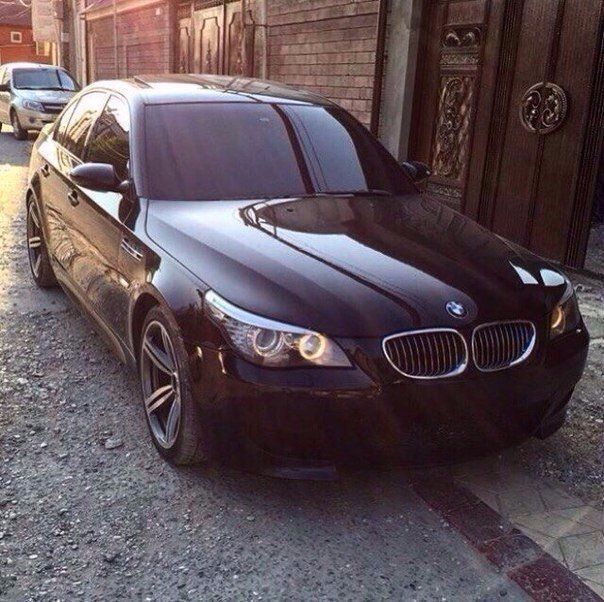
(98, 176)
(5, 87)
(416, 170)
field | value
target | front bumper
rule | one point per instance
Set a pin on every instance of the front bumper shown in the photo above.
(324, 416)
(34, 120)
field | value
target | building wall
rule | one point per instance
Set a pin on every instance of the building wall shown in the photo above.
(24, 51)
(327, 46)
(144, 42)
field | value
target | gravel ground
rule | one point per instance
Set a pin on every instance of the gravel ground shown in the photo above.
(88, 510)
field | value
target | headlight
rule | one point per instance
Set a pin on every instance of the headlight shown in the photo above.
(269, 343)
(32, 105)
(565, 316)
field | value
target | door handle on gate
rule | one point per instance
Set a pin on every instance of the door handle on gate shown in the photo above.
(73, 198)
(45, 170)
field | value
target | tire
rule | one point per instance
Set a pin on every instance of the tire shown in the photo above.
(168, 389)
(18, 132)
(39, 262)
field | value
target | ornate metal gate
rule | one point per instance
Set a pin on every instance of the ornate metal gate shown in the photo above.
(216, 36)
(508, 111)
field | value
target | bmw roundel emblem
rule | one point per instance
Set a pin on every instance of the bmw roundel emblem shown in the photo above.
(457, 310)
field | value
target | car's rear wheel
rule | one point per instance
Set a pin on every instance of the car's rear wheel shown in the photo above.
(39, 261)
(173, 417)
(18, 132)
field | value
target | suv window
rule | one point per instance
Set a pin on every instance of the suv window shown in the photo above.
(81, 122)
(110, 140)
(4, 75)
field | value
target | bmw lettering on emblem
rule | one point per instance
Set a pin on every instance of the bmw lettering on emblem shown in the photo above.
(457, 310)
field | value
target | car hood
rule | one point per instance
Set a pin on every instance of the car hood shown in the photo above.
(354, 265)
(53, 96)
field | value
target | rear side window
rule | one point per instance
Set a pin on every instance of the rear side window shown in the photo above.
(109, 142)
(81, 122)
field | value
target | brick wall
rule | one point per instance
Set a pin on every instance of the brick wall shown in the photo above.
(19, 51)
(327, 46)
(144, 40)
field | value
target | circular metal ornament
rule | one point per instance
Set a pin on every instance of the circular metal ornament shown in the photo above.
(543, 108)
(455, 309)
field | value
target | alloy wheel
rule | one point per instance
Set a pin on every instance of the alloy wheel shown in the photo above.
(35, 239)
(161, 384)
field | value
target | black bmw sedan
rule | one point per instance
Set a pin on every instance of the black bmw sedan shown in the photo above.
(280, 285)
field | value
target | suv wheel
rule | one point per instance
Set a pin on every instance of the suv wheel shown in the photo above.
(173, 417)
(18, 132)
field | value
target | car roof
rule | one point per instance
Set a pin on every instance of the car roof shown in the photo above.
(24, 65)
(176, 88)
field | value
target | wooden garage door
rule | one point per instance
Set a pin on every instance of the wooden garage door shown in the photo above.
(509, 113)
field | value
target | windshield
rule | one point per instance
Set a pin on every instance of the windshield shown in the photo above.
(43, 79)
(212, 151)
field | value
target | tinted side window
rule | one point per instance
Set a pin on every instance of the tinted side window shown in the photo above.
(82, 120)
(63, 122)
(109, 142)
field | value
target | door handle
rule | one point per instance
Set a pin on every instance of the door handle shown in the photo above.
(74, 201)
(45, 170)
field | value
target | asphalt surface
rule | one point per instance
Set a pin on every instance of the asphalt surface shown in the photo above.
(89, 511)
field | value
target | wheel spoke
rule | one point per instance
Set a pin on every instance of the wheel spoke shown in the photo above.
(37, 264)
(161, 359)
(34, 242)
(34, 218)
(173, 420)
(158, 398)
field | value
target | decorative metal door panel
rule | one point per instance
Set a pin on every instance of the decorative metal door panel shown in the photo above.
(507, 113)
(184, 46)
(208, 37)
(234, 47)
(216, 40)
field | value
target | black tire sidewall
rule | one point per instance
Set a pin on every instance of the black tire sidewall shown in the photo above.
(45, 278)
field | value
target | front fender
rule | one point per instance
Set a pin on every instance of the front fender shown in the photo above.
(172, 287)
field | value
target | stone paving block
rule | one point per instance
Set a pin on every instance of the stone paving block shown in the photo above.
(585, 514)
(597, 588)
(545, 542)
(553, 525)
(544, 581)
(581, 551)
(488, 497)
(593, 573)
(514, 502)
(511, 550)
(557, 499)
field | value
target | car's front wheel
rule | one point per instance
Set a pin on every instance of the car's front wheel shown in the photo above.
(39, 261)
(18, 132)
(173, 417)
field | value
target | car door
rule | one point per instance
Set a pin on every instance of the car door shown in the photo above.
(53, 161)
(73, 228)
(103, 218)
